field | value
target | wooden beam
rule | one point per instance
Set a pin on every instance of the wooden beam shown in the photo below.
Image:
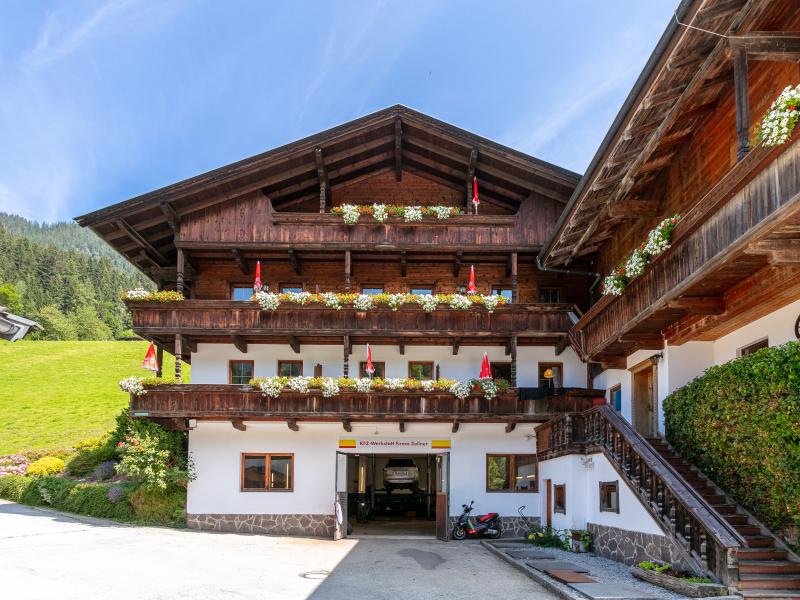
(402, 426)
(297, 267)
(768, 45)
(294, 343)
(707, 305)
(473, 161)
(511, 426)
(403, 264)
(347, 425)
(241, 343)
(562, 345)
(513, 373)
(151, 251)
(660, 98)
(240, 260)
(514, 278)
(457, 263)
(173, 219)
(456, 345)
(177, 352)
(402, 346)
(398, 149)
(180, 265)
(322, 175)
(643, 341)
(509, 260)
(292, 424)
(239, 424)
(611, 361)
(633, 209)
(347, 270)
(742, 98)
(768, 246)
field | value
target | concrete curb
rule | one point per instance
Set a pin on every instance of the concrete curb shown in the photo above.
(75, 517)
(559, 589)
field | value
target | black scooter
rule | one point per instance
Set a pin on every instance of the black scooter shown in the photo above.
(487, 525)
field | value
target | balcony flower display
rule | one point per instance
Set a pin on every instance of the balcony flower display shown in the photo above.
(460, 302)
(330, 387)
(141, 295)
(298, 384)
(272, 386)
(636, 263)
(778, 124)
(268, 300)
(658, 237)
(363, 384)
(380, 213)
(461, 389)
(302, 298)
(362, 302)
(133, 386)
(614, 284)
(428, 385)
(491, 301)
(332, 300)
(351, 213)
(394, 301)
(441, 212)
(412, 214)
(428, 303)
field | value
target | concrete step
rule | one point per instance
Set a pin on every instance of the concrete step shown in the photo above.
(762, 554)
(771, 594)
(758, 581)
(769, 566)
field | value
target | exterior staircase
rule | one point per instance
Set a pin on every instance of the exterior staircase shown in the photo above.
(765, 569)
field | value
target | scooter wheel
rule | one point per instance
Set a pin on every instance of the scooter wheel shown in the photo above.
(496, 533)
(459, 533)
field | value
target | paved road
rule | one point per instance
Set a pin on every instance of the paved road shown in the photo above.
(52, 555)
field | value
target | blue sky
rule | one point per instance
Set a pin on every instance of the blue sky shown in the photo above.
(102, 101)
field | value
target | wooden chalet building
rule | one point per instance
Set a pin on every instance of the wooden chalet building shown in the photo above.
(728, 283)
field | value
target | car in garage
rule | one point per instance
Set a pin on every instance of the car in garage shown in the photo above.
(400, 474)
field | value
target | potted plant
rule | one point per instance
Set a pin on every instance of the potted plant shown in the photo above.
(581, 541)
(681, 582)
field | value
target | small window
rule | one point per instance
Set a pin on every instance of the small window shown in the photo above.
(615, 397)
(754, 347)
(420, 370)
(422, 290)
(501, 370)
(267, 472)
(560, 499)
(549, 295)
(550, 375)
(241, 293)
(291, 287)
(511, 473)
(240, 372)
(609, 496)
(380, 369)
(290, 368)
(371, 290)
(505, 292)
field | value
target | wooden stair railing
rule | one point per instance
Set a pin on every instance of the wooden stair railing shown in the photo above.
(707, 539)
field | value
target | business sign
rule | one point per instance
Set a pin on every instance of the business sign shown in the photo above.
(378, 444)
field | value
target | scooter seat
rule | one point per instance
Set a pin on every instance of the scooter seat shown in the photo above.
(484, 518)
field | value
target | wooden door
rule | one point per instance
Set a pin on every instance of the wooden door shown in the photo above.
(443, 496)
(643, 404)
(340, 498)
(548, 483)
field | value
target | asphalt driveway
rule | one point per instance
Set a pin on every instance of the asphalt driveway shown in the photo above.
(52, 555)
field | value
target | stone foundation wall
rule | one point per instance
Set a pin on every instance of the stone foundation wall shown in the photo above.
(302, 525)
(633, 547)
(512, 526)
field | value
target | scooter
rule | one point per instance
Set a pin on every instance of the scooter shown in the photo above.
(487, 525)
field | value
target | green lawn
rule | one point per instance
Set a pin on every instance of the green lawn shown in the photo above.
(53, 394)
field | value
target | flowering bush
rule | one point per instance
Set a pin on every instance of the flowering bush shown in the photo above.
(460, 302)
(395, 300)
(47, 465)
(350, 214)
(428, 303)
(636, 263)
(363, 384)
(781, 118)
(268, 300)
(115, 494)
(298, 297)
(380, 213)
(140, 295)
(133, 385)
(362, 302)
(428, 385)
(332, 300)
(13, 464)
(489, 387)
(412, 214)
(658, 238)
(491, 301)
(299, 384)
(330, 387)
(149, 453)
(441, 212)
(614, 284)
(271, 386)
(394, 384)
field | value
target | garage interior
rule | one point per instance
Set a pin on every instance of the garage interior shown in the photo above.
(392, 494)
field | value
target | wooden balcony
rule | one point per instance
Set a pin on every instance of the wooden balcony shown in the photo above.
(171, 404)
(198, 319)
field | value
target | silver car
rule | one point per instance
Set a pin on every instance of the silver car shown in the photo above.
(400, 474)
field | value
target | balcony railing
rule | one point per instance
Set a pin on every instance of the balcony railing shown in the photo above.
(202, 401)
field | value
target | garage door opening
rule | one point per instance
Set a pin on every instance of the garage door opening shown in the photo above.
(392, 494)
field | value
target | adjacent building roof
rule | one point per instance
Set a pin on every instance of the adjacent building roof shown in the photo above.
(13, 327)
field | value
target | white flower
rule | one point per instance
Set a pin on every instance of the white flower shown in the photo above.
(268, 300)
(491, 302)
(299, 384)
(363, 302)
(396, 300)
(460, 302)
(428, 302)
(489, 387)
(350, 214)
(380, 213)
(636, 264)
(272, 386)
(442, 212)
(461, 389)
(394, 384)
(412, 214)
(137, 294)
(298, 297)
(658, 238)
(613, 285)
(428, 385)
(363, 384)
(330, 387)
(133, 386)
(332, 300)
(779, 122)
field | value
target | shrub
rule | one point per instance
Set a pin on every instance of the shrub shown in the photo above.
(740, 424)
(92, 499)
(88, 458)
(13, 487)
(48, 465)
(158, 506)
(90, 443)
(115, 493)
(47, 491)
(105, 470)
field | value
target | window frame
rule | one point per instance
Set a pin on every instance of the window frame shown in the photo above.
(496, 289)
(363, 364)
(512, 467)
(563, 488)
(432, 287)
(611, 391)
(492, 363)
(234, 286)
(289, 284)
(556, 289)
(237, 360)
(539, 370)
(288, 361)
(605, 484)
(754, 346)
(380, 286)
(422, 362)
(267, 470)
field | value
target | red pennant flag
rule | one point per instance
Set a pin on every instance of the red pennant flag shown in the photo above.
(257, 283)
(150, 363)
(486, 370)
(370, 368)
(471, 289)
(475, 199)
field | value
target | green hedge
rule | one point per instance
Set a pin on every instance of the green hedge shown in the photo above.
(740, 424)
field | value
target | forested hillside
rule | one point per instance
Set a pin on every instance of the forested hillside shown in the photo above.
(63, 277)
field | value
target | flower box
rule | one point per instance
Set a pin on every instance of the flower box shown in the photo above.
(680, 585)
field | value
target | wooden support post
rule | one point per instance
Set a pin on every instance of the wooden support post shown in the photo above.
(456, 425)
(514, 279)
(456, 345)
(178, 351)
(562, 345)
(398, 149)
(511, 426)
(239, 424)
(240, 261)
(402, 347)
(513, 381)
(179, 269)
(160, 361)
(322, 174)
(403, 264)
(240, 342)
(473, 159)
(347, 425)
(295, 260)
(457, 263)
(742, 90)
(346, 353)
(402, 426)
(292, 423)
(294, 343)
(347, 268)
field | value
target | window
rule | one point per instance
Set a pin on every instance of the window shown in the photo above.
(550, 375)
(240, 372)
(291, 287)
(380, 369)
(549, 295)
(267, 472)
(753, 347)
(241, 293)
(420, 370)
(422, 290)
(505, 292)
(371, 289)
(290, 368)
(501, 370)
(511, 473)
(609, 496)
(560, 499)
(615, 397)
